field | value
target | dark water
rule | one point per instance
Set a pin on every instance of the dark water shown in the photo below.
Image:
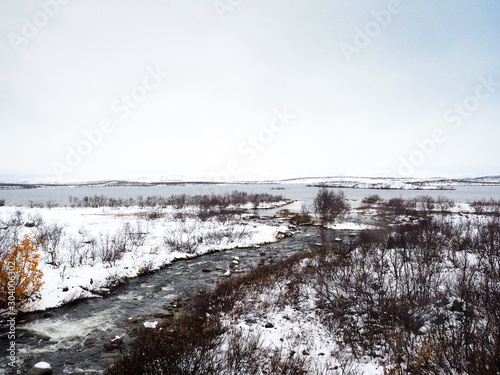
(299, 192)
(58, 336)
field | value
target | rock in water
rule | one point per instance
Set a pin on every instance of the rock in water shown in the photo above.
(41, 368)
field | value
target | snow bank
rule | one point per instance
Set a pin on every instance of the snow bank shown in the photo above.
(73, 279)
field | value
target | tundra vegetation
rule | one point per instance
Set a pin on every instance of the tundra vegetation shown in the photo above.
(420, 296)
(20, 276)
(28, 242)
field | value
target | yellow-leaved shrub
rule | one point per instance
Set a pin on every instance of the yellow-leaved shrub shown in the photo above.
(20, 276)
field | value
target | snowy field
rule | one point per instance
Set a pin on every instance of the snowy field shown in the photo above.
(86, 250)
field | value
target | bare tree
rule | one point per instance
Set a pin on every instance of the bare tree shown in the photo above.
(330, 206)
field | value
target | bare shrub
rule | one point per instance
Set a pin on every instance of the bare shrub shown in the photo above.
(183, 238)
(444, 204)
(153, 213)
(398, 205)
(330, 206)
(243, 353)
(48, 236)
(9, 235)
(50, 204)
(135, 234)
(33, 204)
(372, 199)
(111, 248)
(76, 255)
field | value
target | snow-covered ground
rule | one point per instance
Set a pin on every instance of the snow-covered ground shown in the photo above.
(296, 331)
(391, 182)
(403, 183)
(81, 268)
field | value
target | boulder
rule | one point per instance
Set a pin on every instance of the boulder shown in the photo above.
(89, 342)
(116, 341)
(113, 343)
(162, 315)
(41, 368)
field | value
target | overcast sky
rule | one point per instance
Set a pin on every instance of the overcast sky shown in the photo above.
(248, 89)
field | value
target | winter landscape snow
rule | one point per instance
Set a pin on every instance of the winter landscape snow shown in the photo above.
(373, 285)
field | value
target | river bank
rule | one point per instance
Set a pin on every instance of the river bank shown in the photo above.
(73, 338)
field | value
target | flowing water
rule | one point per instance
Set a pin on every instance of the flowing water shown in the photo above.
(70, 338)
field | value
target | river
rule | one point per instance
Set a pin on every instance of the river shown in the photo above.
(70, 338)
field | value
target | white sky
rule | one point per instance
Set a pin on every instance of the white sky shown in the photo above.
(223, 72)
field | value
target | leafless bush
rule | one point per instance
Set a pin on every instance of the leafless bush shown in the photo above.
(371, 199)
(153, 213)
(219, 201)
(486, 206)
(9, 236)
(49, 236)
(89, 252)
(228, 233)
(111, 248)
(423, 205)
(50, 204)
(33, 204)
(183, 238)
(330, 206)
(406, 300)
(76, 256)
(113, 279)
(135, 234)
(243, 353)
(444, 204)
(36, 220)
(398, 205)
(15, 220)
